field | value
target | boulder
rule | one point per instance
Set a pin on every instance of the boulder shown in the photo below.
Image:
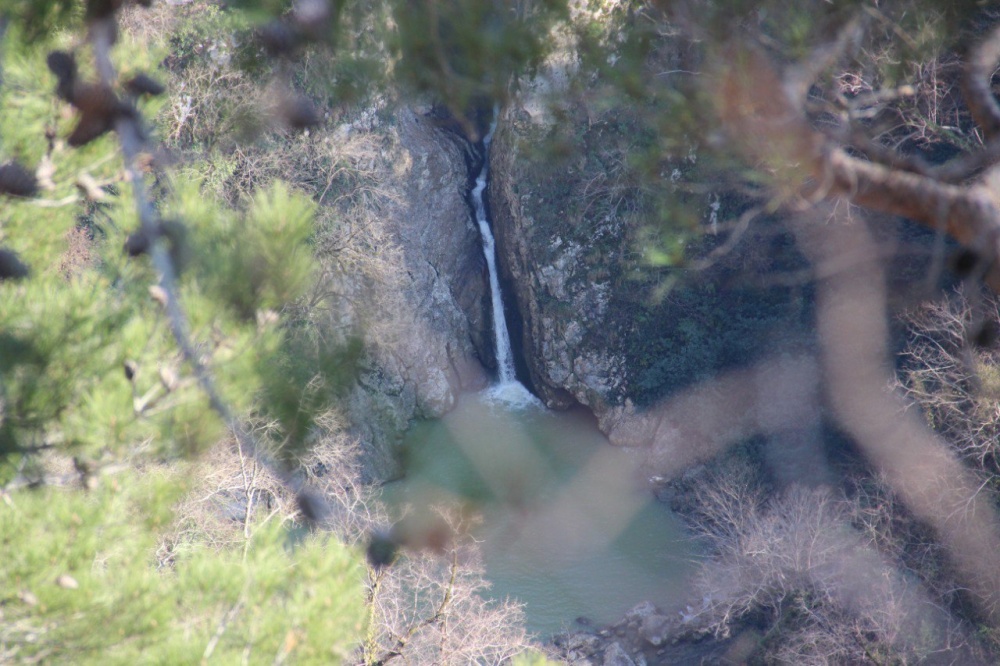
(615, 655)
(657, 629)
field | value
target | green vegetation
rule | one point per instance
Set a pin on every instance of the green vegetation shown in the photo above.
(705, 328)
(84, 583)
(99, 408)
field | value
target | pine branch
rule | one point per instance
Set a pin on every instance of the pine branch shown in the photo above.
(131, 137)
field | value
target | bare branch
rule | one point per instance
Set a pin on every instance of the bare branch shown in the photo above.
(435, 618)
(919, 466)
(800, 78)
(968, 214)
(965, 167)
(739, 228)
(890, 158)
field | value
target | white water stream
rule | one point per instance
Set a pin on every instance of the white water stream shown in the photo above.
(507, 389)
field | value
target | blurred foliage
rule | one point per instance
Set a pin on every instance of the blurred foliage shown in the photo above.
(255, 259)
(301, 379)
(38, 18)
(92, 381)
(82, 585)
(69, 329)
(628, 161)
(467, 51)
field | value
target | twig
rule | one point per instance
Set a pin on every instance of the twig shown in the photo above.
(965, 167)
(220, 630)
(890, 158)
(740, 227)
(439, 614)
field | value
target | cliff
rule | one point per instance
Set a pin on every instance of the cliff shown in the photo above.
(562, 257)
(423, 311)
(583, 194)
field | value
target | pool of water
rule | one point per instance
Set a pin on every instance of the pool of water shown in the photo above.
(567, 527)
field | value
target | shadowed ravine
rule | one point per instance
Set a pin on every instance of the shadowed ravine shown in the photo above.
(507, 388)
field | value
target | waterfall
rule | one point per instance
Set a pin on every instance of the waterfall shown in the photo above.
(507, 389)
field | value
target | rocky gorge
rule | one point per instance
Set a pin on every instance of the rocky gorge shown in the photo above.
(564, 307)
(569, 300)
(591, 332)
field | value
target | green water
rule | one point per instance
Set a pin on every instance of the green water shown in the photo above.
(567, 528)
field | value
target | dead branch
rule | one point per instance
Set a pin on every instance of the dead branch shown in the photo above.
(919, 466)
(769, 125)
(434, 619)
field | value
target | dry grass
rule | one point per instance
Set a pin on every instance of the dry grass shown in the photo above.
(954, 383)
(149, 23)
(233, 492)
(427, 607)
(828, 572)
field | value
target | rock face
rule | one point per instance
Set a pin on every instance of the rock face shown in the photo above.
(445, 289)
(643, 637)
(579, 199)
(615, 655)
(566, 209)
(426, 323)
(560, 262)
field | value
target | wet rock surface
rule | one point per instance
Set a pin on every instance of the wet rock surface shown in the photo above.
(645, 637)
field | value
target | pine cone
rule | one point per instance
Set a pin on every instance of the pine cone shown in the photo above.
(17, 181)
(143, 84)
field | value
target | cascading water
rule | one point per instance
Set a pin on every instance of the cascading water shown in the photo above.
(507, 388)
(564, 529)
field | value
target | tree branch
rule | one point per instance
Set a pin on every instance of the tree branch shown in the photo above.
(772, 130)
(966, 166)
(968, 214)
(438, 616)
(919, 465)
(886, 156)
